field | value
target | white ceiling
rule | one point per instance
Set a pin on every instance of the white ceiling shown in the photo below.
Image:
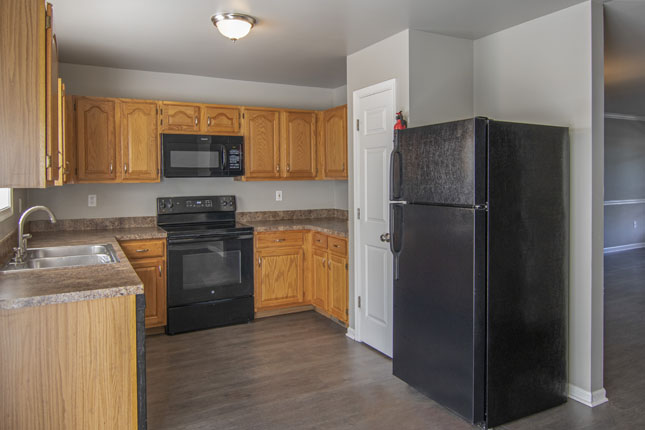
(625, 57)
(299, 42)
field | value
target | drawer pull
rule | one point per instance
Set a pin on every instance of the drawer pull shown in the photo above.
(336, 245)
(142, 250)
(280, 240)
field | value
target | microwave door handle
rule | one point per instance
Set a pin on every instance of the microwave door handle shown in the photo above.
(224, 157)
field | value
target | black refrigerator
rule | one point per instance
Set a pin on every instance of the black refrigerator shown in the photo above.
(479, 233)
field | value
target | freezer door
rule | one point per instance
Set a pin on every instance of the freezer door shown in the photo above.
(528, 269)
(441, 164)
(439, 299)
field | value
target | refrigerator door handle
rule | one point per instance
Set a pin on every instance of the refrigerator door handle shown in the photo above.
(396, 235)
(396, 174)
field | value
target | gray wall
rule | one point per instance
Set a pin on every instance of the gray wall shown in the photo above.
(624, 180)
(115, 200)
(550, 71)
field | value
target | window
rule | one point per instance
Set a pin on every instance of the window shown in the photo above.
(6, 207)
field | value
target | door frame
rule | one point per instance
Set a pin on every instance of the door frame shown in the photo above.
(358, 269)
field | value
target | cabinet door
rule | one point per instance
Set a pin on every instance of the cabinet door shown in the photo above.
(96, 139)
(61, 176)
(338, 288)
(221, 120)
(51, 101)
(180, 117)
(69, 134)
(280, 277)
(152, 273)
(335, 143)
(140, 143)
(320, 278)
(262, 143)
(299, 134)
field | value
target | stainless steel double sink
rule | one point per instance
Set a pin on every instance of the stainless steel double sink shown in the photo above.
(65, 256)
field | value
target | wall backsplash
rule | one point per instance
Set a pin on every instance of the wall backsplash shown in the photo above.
(132, 200)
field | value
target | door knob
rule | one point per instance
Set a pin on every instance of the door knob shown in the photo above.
(385, 237)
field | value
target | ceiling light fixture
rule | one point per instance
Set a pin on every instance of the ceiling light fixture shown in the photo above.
(233, 25)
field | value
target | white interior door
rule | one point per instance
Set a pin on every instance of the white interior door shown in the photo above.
(374, 110)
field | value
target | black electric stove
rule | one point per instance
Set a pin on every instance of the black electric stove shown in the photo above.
(210, 263)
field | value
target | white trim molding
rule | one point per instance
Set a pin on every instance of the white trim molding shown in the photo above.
(624, 202)
(588, 398)
(609, 115)
(620, 248)
(350, 333)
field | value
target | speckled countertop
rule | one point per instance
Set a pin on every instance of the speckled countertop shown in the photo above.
(333, 226)
(71, 284)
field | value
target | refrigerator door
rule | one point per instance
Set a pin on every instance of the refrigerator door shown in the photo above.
(439, 304)
(527, 269)
(440, 164)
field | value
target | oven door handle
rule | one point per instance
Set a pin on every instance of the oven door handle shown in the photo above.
(209, 239)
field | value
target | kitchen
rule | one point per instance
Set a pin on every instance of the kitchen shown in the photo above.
(310, 199)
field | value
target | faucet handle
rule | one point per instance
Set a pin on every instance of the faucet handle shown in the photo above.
(27, 236)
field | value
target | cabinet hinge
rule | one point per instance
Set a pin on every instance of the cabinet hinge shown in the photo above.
(358, 213)
(359, 301)
(48, 22)
(357, 125)
(74, 105)
(347, 312)
(243, 115)
(346, 266)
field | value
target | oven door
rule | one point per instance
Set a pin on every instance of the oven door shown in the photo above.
(201, 270)
(190, 159)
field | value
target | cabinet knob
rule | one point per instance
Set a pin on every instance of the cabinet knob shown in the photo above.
(125, 168)
(111, 167)
(277, 167)
(142, 250)
(329, 264)
(196, 122)
(259, 261)
(324, 262)
(159, 269)
(288, 167)
(209, 121)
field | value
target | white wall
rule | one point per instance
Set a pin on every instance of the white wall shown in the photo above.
(8, 225)
(549, 71)
(339, 96)
(115, 200)
(441, 78)
(385, 60)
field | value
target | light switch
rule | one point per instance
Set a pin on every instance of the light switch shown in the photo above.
(91, 200)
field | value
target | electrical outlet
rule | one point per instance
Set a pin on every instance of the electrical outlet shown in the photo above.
(278, 196)
(91, 200)
(635, 224)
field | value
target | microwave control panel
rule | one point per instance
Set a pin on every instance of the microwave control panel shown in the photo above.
(234, 157)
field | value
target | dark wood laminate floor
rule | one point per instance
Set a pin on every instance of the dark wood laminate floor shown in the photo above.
(300, 372)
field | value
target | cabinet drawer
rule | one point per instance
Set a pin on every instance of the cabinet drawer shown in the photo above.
(320, 240)
(279, 238)
(338, 246)
(134, 249)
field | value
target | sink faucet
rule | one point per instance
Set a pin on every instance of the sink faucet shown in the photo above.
(21, 250)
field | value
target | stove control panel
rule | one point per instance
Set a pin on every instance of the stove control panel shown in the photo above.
(179, 205)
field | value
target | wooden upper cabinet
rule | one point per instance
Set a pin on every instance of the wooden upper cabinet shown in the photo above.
(140, 144)
(96, 139)
(299, 148)
(69, 138)
(334, 143)
(180, 117)
(51, 100)
(262, 143)
(221, 120)
(60, 179)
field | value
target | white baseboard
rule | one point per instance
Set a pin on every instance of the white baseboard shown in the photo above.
(588, 398)
(627, 247)
(350, 333)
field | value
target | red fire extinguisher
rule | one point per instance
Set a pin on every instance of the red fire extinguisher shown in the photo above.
(401, 124)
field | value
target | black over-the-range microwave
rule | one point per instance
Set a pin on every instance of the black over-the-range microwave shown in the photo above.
(198, 156)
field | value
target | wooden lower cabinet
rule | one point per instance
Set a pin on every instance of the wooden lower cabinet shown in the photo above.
(148, 259)
(298, 270)
(279, 278)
